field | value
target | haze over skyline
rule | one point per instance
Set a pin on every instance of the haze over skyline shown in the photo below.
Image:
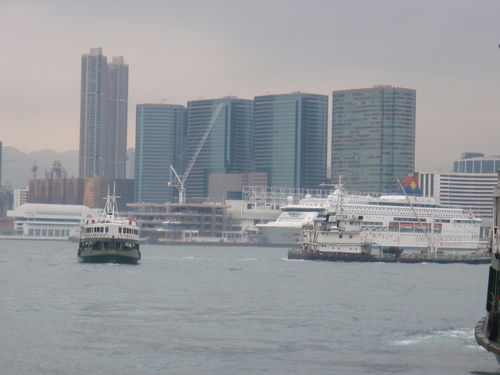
(446, 50)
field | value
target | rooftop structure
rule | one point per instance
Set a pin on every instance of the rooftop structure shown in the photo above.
(475, 162)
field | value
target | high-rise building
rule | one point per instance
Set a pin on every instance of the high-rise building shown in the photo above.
(159, 142)
(373, 137)
(116, 123)
(20, 197)
(103, 116)
(290, 139)
(93, 113)
(228, 147)
(130, 165)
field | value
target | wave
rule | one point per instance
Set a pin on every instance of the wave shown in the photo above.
(434, 337)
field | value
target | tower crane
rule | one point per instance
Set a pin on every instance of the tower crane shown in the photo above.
(179, 181)
(34, 168)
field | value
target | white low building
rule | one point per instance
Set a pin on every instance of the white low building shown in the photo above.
(49, 221)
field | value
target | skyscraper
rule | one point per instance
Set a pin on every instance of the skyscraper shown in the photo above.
(373, 137)
(116, 122)
(290, 139)
(92, 113)
(103, 116)
(159, 142)
(228, 147)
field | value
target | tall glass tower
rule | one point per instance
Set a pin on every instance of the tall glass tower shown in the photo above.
(228, 147)
(159, 142)
(290, 139)
(93, 113)
(103, 116)
(373, 137)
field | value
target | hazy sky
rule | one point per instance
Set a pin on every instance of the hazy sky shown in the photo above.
(447, 50)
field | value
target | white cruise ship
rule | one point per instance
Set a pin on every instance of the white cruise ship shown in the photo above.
(286, 229)
(407, 222)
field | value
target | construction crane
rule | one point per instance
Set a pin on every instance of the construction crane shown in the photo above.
(34, 168)
(179, 181)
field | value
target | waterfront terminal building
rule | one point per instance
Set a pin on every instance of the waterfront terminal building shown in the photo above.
(49, 221)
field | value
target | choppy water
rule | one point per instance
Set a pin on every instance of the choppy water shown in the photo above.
(241, 310)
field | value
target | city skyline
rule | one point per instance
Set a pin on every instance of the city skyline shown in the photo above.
(447, 51)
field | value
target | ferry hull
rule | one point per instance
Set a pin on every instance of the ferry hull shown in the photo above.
(334, 256)
(109, 256)
(481, 334)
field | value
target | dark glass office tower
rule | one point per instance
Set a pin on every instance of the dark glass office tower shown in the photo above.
(373, 137)
(160, 141)
(228, 146)
(290, 139)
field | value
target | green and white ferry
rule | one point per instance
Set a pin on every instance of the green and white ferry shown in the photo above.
(109, 239)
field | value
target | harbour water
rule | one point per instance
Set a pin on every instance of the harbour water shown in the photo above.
(235, 310)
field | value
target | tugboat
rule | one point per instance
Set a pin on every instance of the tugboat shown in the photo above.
(109, 239)
(336, 237)
(487, 329)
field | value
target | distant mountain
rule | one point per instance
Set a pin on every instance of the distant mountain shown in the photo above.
(18, 172)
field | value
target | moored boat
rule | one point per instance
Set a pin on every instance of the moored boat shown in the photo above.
(487, 329)
(336, 238)
(109, 239)
(399, 220)
(339, 237)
